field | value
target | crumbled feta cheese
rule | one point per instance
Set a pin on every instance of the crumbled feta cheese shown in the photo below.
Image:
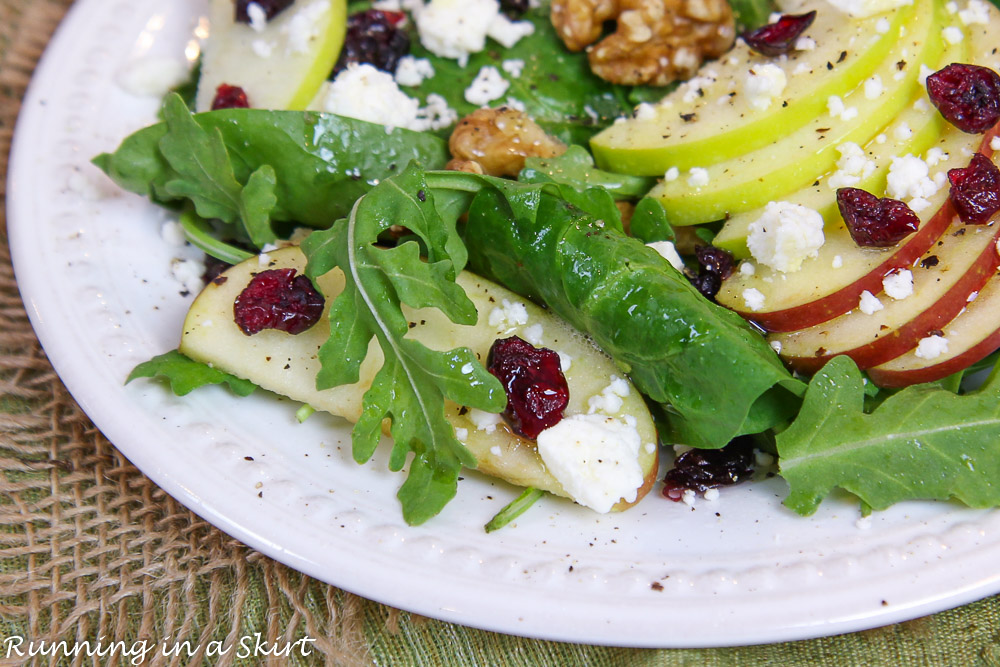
(805, 43)
(412, 71)
(902, 132)
(462, 434)
(533, 334)
(753, 298)
(935, 156)
(801, 68)
(609, 401)
(697, 177)
(852, 167)
(869, 303)
(747, 269)
(953, 34)
(262, 48)
(488, 85)
(508, 315)
(785, 235)
(668, 252)
(484, 421)
(673, 173)
(931, 347)
(976, 12)
(694, 87)
(763, 83)
(507, 32)
(188, 272)
(436, 115)
(688, 497)
(995, 143)
(367, 93)
(898, 284)
(864, 523)
(645, 111)
(456, 28)
(882, 26)
(173, 233)
(837, 262)
(495, 450)
(951, 6)
(304, 26)
(874, 87)
(711, 495)
(595, 458)
(257, 16)
(565, 361)
(908, 178)
(514, 67)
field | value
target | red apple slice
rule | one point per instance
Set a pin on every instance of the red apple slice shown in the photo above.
(960, 263)
(820, 292)
(971, 336)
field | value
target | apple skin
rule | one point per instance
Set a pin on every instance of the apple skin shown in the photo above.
(211, 336)
(831, 304)
(799, 349)
(650, 147)
(973, 335)
(283, 80)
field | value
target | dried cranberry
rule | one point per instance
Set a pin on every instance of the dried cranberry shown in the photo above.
(230, 97)
(701, 469)
(714, 266)
(271, 8)
(875, 222)
(374, 37)
(536, 388)
(278, 299)
(968, 96)
(975, 190)
(778, 38)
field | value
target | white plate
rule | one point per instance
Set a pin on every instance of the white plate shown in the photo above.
(94, 273)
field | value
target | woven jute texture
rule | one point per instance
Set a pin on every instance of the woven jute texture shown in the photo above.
(91, 549)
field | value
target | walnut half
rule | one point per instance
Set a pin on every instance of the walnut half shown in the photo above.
(496, 142)
(655, 42)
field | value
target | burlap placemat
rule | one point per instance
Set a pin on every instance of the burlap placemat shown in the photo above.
(90, 549)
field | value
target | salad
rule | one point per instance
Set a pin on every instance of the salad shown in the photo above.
(622, 249)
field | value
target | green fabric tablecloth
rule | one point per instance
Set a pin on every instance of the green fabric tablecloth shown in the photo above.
(91, 549)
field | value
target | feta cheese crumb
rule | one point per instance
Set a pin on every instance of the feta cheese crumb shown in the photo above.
(565, 361)
(908, 178)
(837, 262)
(785, 235)
(763, 83)
(953, 34)
(995, 143)
(462, 434)
(805, 43)
(852, 167)
(674, 173)
(508, 315)
(188, 273)
(507, 32)
(976, 12)
(303, 27)
(367, 93)
(488, 85)
(484, 421)
(697, 177)
(609, 401)
(533, 334)
(747, 269)
(594, 458)
(882, 26)
(257, 16)
(711, 495)
(869, 303)
(412, 71)
(495, 450)
(931, 347)
(688, 497)
(753, 298)
(173, 233)
(864, 523)
(874, 87)
(514, 67)
(668, 252)
(645, 111)
(902, 132)
(898, 284)
(864, 8)
(456, 28)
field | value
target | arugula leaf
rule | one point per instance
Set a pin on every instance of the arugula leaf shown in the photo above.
(413, 383)
(924, 442)
(185, 374)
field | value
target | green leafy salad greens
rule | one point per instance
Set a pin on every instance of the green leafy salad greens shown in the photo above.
(243, 178)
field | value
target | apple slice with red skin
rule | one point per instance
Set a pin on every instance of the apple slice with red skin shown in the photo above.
(873, 263)
(963, 260)
(971, 336)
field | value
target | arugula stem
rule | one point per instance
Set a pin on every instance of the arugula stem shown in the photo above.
(200, 234)
(514, 509)
(304, 413)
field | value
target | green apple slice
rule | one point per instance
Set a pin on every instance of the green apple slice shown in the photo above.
(287, 365)
(913, 132)
(281, 66)
(772, 172)
(715, 121)
(831, 283)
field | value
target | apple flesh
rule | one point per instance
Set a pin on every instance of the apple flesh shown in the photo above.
(288, 365)
(772, 172)
(971, 336)
(279, 67)
(958, 265)
(705, 125)
(831, 283)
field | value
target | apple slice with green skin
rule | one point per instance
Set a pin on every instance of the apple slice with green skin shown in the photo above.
(751, 180)
(913, 132)
(287, 365)
(709, 119)
(279, 67)
(831, 283)
(971, 336)
(960, 263)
